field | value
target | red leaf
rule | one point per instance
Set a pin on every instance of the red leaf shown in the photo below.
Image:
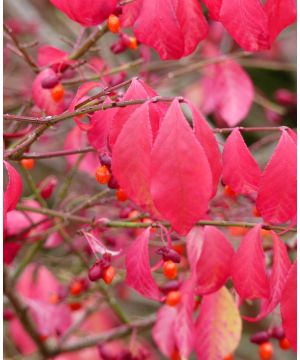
(42, 97)
(181, 181)
(49, 55)
(280, 269)
(214, 7)
(131, 157)
(173, 28)
(138, 272)
(281, 13)
(213, 266)
(13, 190)
(240, 170)
(87, 13)
(163, 330)
(194, 243)
(277, 193)
(248, 270)
(208, 141)
(137, 90)
(218, 326)
(130, 13)
(288, 306)
(247, 22)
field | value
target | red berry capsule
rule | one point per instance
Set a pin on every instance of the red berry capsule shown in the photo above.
(105, 159)
(170, 286)
(169, 254)
(260, 337)
(27, 164)
(103, 175)
(57, 93)
(173, 298)
(108, 275)
(47, 186)
(50, 81)
(132, 43)
(74, 306)
(121, 195)
(76, 288)
(266, 351)
(277, 332)
(284, 344)
(113, 24)
(228, 191)
(95, 272)
(8, 314)
(229, 357)
(170, 269)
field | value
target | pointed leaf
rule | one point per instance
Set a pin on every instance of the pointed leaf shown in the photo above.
(194, 243)
(138, 272)
(163, 330)
(281, 13)
(97, 246)
(13, 190)
(240, 170)
(248, 270)
(181, 180)
(218, 326)
(209, 143)
(173, 28)
(248, 26)
(277, 193)
(213, 266)
(131, 157)
(288, 306)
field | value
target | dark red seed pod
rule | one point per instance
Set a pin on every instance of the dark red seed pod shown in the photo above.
(95, 272)
(105, 159)
(8, 314)
(169, 254)
(113, 184)
(124, 213)
(118, 47)
(277, 333)
(285, 97)
(260, 337)
(47, 186)
(50, 81)
(173, 285)
(118, 10)
(69, 73)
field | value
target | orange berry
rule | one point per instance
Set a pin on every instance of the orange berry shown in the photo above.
(103, 175)
(57, 93)
(264, 232)
(173, 298)
(113, 24)
(74, 306)
(179, 249)
(27, 164)
(175, 355)
(266, 351)
(133, 214)
(284, 344)
(54, 299)
(237, 230)
(121, 195)
(108, 275)
(228, 191)
(170, 269)
(255, 212)
(132, 43)
(76, 288)
(229, 357)
(149, 221)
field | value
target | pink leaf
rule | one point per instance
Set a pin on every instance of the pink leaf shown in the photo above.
(194, 243)
(208, 141)
(235, 92)
(280, 269)
(247, 22)
(214, 7)
(277, 193)
(97, 246)
(240, 170)
(163, 330)
(218, 327)
(184, 328)
(288, 306)
(173, 28)
(213, 266)
(131, 12)
(131, 157)
(87, 13)
(42, 97)
(49, 55)
(281, 13)
(137, 90)
(248, 270)
(138, 272)
(13, 190)
(181, 180)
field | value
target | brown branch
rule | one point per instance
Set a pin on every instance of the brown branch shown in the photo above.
(52, 154)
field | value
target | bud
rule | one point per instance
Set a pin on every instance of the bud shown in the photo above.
(277, 332)
(285, 97)
(113, 184)
(50, 81)
(95, 272)
(169, 254)
(47, 186)
(260, 337)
